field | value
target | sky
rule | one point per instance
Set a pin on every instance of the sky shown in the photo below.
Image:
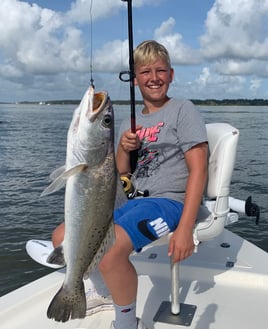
(50, 49)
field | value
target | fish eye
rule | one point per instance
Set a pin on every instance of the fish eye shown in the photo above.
(107, 120)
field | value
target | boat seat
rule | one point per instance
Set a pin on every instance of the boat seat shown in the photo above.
(222, 142)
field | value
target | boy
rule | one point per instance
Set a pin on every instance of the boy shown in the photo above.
(172, 165)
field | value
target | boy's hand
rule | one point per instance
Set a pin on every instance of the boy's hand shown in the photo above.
(130, 141)
(181, 244)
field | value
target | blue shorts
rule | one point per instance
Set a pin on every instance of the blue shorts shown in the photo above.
(147, 219)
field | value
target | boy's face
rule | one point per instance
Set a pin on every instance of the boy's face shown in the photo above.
(153, 80)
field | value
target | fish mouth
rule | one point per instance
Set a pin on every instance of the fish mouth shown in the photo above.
(99, 101)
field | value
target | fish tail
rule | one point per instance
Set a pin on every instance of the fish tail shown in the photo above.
(68, 305)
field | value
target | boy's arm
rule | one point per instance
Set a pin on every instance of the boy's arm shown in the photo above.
(181, 243)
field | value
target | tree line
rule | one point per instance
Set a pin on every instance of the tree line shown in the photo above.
(208, 102)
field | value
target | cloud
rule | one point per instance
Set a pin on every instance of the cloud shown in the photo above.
(180, 53)
(240, 67)
(209, 84)
(43, 50)
(255, 85)
(112, 57)
(38, 51)
(235, 37)
(236, 29)
(83, 11)
(40, 41)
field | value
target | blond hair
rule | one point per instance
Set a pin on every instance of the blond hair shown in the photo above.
(149, 51)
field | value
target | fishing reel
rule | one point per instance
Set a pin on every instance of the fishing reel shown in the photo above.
(130, 190)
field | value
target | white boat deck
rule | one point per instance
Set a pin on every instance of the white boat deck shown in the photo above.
(226, 297)
(228, 286)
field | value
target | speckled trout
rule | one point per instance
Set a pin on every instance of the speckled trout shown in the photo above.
(91, 183)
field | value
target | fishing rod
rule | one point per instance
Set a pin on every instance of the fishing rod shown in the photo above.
(130, 73)
(130, 78)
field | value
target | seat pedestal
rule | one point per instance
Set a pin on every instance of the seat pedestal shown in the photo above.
(184, 318)
(175, 312)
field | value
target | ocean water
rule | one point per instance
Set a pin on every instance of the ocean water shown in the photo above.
(33, 144)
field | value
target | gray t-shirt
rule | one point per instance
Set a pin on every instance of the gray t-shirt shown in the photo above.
(165, 136)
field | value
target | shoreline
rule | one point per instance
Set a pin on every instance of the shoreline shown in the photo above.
(207, 102)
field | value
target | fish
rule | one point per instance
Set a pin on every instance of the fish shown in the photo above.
(92, 184)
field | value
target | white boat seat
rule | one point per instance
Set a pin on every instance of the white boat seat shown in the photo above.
(222, 141)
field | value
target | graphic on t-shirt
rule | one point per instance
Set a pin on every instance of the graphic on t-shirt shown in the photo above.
(147, 157)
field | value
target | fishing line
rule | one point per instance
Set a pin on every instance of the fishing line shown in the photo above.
(91, 46)
(122, 62)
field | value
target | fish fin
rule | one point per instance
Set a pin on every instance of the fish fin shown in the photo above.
(105, 245)
(56, 185)
(60, 181)
(56, 256)
(68, 304)
(57, 173)
(121, 197)
(74, 170)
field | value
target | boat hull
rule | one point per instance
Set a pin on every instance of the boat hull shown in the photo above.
(228, 287)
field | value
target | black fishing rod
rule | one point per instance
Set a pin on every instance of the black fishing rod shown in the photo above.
(130, 73)
(128, 187)
(130, 78)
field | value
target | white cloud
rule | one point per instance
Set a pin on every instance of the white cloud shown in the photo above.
(43, 50)
(212, 84)
(236, 29)
(255, 85)
(240, 67)
(113, 56)
(204, 77)
(36, 41)
(235, 41)
(209, 85)
(180, 53)
(82, 11)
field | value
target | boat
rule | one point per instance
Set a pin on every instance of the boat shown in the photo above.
(224, 284)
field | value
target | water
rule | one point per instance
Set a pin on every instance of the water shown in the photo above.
(33, 143)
